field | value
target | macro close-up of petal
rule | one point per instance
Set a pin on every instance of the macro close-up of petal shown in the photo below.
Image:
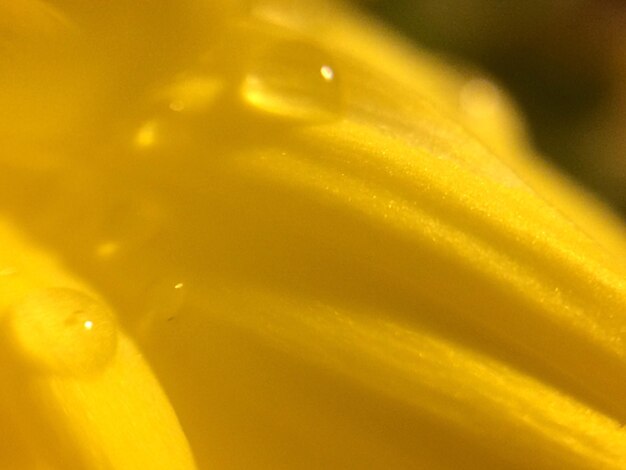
(273, 234)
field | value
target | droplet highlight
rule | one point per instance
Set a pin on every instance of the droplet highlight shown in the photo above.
(327, 73)
(64, 331)
(293, 80)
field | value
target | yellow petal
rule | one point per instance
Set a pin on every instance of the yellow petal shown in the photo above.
(335, 251)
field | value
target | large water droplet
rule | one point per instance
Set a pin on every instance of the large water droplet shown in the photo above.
(64, 331)
(294, 80)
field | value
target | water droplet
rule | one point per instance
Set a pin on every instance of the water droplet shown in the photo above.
(165, 299)
(64, 330)
(480, 98)
(293, 79)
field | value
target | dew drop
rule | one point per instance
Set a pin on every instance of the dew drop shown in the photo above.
(164, 301)
(292, 80)
(64, 331)
(191, 92)
(480, 98)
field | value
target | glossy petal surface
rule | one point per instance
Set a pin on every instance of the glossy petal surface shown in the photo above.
(334, 251)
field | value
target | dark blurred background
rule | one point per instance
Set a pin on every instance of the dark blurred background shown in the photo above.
(564, 62)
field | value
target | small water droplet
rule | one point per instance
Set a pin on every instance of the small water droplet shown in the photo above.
(294, 80)
(64, 330)
(164, 301)
(480, 98)
(167, 298)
